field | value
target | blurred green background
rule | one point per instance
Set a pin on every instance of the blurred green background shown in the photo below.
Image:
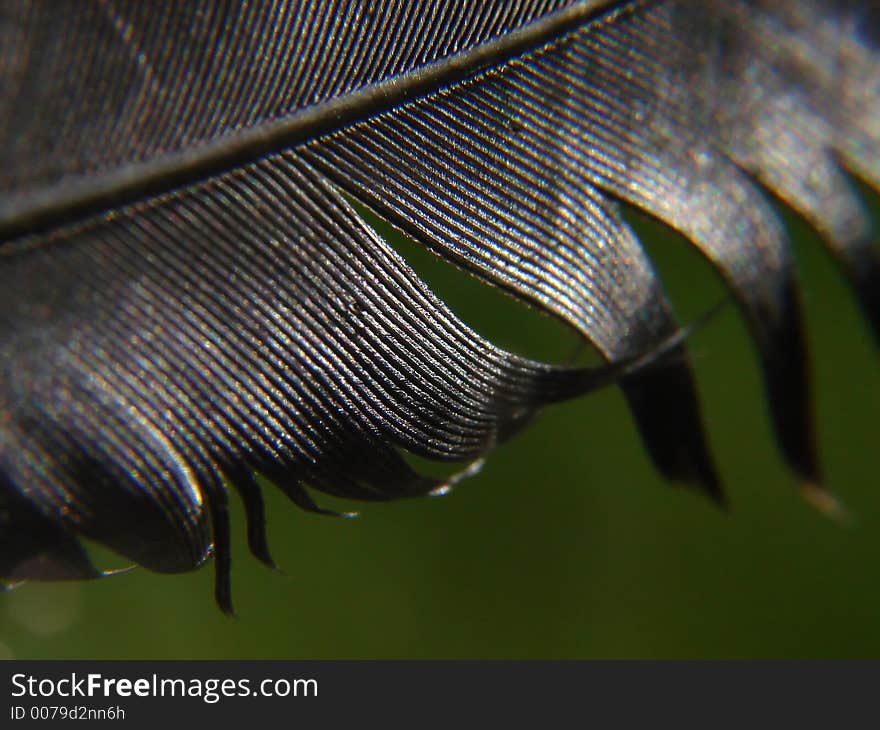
(567, 544)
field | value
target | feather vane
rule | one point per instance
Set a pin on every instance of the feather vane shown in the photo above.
(187, 298)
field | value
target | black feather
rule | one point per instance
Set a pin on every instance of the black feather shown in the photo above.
(186, 297)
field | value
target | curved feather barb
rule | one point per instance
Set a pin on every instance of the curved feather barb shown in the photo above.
(187, 298)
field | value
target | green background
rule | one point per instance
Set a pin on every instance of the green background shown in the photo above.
(567, 544)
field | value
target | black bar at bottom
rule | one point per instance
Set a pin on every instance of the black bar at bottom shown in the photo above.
(414, 694)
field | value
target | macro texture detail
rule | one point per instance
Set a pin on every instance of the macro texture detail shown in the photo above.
(188, 297)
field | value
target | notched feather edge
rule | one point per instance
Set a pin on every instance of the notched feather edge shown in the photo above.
(156, 358)
(182, 521)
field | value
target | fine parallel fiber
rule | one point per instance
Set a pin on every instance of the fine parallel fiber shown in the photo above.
(189, 299)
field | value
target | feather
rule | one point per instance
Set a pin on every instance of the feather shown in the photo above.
(188, 298)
